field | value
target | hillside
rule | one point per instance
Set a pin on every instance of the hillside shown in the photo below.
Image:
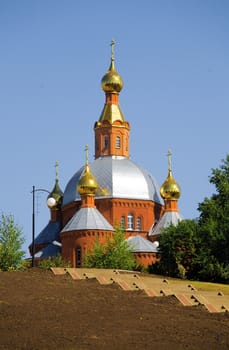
(39, 310)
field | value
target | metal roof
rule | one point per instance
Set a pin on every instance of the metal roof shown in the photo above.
(88, 219)
(118, 177)
(168, 218)
(50, 233)
(53, 249)
(139, 244)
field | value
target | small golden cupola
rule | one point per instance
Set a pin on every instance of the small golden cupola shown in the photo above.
(112, 130)
(87, 185)
(170, 190)
(112, 81)
(55, 197)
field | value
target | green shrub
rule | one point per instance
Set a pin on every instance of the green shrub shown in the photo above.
(56, 261)
(115, 254)
(11, 240)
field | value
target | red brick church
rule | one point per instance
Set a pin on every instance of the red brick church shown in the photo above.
(112, 191)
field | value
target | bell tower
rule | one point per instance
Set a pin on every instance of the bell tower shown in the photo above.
(112, 130)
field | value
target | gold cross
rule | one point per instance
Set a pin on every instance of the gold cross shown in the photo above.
(169, 160)
(86, 150)
(112, 49)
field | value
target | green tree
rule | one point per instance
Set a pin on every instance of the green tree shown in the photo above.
(11, 240)
(178, 246)
(115, 254)
(200, 249)
(214, 227)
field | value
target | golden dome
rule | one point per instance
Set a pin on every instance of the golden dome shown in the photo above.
(112, 81)
(87, 184)
(170, 188)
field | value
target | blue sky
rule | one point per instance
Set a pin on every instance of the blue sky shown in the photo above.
(173, 57)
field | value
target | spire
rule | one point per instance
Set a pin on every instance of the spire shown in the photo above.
(56, 193)
(111, 130)
(170, 190)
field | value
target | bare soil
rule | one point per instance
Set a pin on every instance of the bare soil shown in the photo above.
(41, 311)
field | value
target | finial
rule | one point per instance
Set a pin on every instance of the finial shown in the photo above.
(56, 167)
(170, 190)
(87, 184)
(86, 150)
(169, 160)
(112, 49)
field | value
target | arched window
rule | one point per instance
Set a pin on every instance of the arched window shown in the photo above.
(118, 142)
(130, 221)
(122, 222)
(78, 257)
(139, 224)
(106, 141)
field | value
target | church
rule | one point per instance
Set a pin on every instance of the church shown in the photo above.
(111, 192)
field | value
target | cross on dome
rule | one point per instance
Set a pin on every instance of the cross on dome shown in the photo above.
(169, 160)
(112, 49)
(56, 168)
(86, 151)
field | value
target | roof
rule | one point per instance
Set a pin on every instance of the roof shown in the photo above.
(139, 244)
(117, 177)
(88, 219)
(53, 249)
(168, 218)
(49, 234)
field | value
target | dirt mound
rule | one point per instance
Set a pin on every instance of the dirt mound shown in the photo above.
(41, 311)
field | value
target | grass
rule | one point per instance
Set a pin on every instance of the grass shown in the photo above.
(204, 286)
(211, 287)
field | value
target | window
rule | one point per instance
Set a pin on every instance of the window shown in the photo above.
(78, 257)
(130, 222)
(118, 142)
(122, 222)
(106, 142)
(139, 223)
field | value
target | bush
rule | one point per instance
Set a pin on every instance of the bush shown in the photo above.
(11, 240)
(115, 254)
(56, 261)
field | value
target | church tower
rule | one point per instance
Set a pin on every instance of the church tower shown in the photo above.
(112, 130)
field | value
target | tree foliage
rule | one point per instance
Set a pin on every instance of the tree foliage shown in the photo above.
(214, 226)
(200, 249)
(178, 246)
(115, 254)
(11, 240)
(56, 261)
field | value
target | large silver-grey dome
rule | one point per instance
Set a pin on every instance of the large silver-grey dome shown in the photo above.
(118, 177)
